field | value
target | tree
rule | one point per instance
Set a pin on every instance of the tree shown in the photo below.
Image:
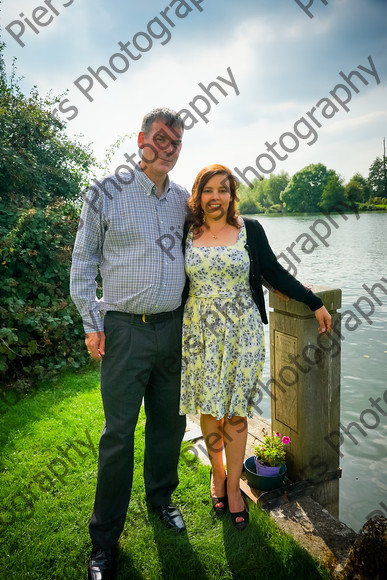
(354, 191)
(358, 189)
(38, 162)
(304, 190)
(264, 194)
(333, 195)
(377, 177)
(249, 206)
(248, 203)
(276, 185)
(259, 193)
(41, 175)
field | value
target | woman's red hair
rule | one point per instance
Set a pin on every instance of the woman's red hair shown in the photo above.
(196, 216)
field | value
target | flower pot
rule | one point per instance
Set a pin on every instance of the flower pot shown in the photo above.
(266, 470)
(260, 481)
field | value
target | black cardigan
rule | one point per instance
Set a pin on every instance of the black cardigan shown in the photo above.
(265, 266)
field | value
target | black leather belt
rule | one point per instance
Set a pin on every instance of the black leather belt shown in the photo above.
(149, 318)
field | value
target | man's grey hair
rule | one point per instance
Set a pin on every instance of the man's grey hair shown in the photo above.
(167, 116)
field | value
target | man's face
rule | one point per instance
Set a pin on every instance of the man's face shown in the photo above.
(160, 147)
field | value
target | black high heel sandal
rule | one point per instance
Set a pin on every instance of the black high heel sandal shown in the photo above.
(219, 511)
(244, 514)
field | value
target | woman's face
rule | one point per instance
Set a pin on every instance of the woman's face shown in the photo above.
(216, 197)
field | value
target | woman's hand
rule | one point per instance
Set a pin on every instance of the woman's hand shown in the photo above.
(324, 320)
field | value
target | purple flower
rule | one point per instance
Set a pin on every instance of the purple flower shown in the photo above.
(285, 440)
(278, 434)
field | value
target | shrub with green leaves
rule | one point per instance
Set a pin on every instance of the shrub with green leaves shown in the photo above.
(41, 175)
(41, 329)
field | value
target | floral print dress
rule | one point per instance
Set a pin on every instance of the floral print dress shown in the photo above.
(223, 347)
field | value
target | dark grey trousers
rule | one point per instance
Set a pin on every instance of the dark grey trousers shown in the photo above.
(142, 360)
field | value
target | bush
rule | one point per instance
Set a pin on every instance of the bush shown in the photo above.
(378, 200)
(41, 329)
(41, 175)
(249, 206)
(276, 208)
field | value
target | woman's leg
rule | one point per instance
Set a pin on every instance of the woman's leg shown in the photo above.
(212, 429)
(235, 437)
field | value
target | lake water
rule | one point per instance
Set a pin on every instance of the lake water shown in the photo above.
(355, 254)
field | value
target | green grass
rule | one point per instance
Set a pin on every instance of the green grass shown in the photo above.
(47, 491)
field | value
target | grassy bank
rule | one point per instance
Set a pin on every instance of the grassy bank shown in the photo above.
(48, 449)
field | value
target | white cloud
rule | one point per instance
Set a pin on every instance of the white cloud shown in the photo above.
(282, 67)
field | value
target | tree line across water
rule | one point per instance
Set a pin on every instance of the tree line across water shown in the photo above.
(316, 188)
(42, 175)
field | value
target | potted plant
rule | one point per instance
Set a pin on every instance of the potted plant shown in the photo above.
(270, 454)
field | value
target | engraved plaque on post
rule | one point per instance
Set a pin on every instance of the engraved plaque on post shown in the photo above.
(285, 387)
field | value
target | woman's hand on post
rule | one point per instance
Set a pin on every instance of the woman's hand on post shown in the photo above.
(324, 320)
(95, 343)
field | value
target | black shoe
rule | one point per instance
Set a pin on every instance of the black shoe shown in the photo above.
(171, 517)
(219, 511)
(101, 565)
(244, 514)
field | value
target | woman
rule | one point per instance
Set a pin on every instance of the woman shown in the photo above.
(226, 258)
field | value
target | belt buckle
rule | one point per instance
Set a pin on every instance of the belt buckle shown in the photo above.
(144, 320)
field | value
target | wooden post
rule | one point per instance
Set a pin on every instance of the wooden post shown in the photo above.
(305, 391)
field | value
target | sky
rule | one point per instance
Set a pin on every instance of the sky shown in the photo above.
(277, 60)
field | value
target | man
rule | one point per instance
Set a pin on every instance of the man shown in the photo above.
(131, 227)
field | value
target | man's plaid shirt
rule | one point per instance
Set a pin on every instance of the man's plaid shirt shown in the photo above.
(135, 239)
